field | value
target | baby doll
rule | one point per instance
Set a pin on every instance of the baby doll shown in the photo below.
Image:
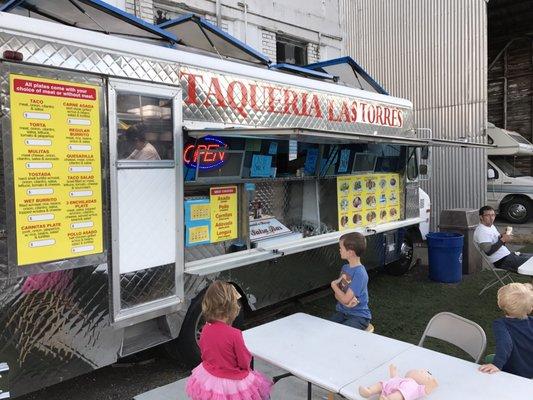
(416, 384)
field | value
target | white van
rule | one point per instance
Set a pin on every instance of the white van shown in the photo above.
(509, 191)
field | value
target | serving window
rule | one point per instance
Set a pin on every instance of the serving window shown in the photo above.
(245, 193)
(144, 128)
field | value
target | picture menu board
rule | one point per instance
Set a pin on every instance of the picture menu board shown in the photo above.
(367, 199)
(56, 169)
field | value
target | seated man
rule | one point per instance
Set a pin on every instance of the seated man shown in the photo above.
(493, 243)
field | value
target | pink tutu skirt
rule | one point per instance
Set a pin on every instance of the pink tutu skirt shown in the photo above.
(204, 386)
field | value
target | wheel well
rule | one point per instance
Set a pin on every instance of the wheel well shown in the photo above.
(511, 197)
(414, 234)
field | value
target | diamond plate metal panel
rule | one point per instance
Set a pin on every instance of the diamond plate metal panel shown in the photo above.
(204, 251)
(283, 199)
(55, 326)
(92, 60)
(412, 203)
(146, 285)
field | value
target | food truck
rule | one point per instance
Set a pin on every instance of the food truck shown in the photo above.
(137, 170)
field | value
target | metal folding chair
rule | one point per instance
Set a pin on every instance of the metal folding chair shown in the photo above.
(500, 275)
(459, 331)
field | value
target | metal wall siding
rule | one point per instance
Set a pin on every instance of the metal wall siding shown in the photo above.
(434, 54)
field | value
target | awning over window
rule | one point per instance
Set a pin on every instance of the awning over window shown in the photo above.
(196, 32)
(327, 137)
(304, 71)
(348, 73)
(94, 15)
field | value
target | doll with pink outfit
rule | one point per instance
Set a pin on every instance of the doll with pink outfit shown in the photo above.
(416, 384)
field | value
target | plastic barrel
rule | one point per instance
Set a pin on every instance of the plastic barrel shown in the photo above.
(445, 252)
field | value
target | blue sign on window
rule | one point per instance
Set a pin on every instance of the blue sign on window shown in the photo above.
(260, 166)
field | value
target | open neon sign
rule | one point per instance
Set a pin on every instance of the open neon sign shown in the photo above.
(208, 153)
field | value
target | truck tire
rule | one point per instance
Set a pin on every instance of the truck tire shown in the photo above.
(185, 347)
(403, 265)
(517, 210)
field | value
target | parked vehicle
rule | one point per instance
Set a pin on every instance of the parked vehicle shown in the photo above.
(509, 190)
(136, 173)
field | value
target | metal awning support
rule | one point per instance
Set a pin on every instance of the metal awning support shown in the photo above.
(458, 143)
(325, 136)
(349, 73)
(196, 32)
(296, 69)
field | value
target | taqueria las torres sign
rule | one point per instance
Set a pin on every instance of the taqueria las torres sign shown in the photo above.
(239, 99)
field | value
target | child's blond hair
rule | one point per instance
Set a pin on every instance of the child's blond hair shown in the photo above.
(220, 302)
(516, 299)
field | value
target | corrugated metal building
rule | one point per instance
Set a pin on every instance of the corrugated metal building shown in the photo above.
(435, 54)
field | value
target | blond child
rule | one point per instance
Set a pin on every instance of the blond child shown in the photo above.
(224, 372)
(514, 332)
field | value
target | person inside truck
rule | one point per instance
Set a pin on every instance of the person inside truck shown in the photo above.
(143, 150)
(494, 244)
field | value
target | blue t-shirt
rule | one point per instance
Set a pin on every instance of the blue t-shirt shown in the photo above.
(514, 345)
(356, 279)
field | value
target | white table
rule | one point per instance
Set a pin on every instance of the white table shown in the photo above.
(458, 379)
(340, 359)
(526, 268)
(319, 351)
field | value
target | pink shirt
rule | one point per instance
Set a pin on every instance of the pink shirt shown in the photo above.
(224, 353)
(408, 387)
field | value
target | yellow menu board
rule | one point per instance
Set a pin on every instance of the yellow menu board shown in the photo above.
(223, 213)
(367, 199)
(56, 169)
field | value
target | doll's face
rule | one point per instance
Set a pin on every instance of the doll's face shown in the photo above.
(423, 377)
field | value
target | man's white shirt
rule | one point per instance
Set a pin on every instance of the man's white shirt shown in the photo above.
(485, 234)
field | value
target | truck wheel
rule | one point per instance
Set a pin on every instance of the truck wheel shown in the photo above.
(402, 266)
(517, 211)
(185, 348)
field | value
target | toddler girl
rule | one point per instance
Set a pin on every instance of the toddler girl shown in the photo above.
(224, 373)
(514, 332)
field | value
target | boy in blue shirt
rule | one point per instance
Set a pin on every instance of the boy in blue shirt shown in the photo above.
(514, 332)
(350, 289)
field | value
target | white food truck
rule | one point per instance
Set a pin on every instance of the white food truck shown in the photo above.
(509, 191)
(137, 170)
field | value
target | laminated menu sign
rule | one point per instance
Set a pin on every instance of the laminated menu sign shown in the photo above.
(367, 199)
(197, 221)
(223, 202)
(56, 169)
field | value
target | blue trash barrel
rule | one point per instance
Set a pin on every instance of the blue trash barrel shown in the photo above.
(445, 251)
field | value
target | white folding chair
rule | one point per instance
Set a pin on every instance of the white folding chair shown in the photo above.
(459, 331)
(499, 274)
